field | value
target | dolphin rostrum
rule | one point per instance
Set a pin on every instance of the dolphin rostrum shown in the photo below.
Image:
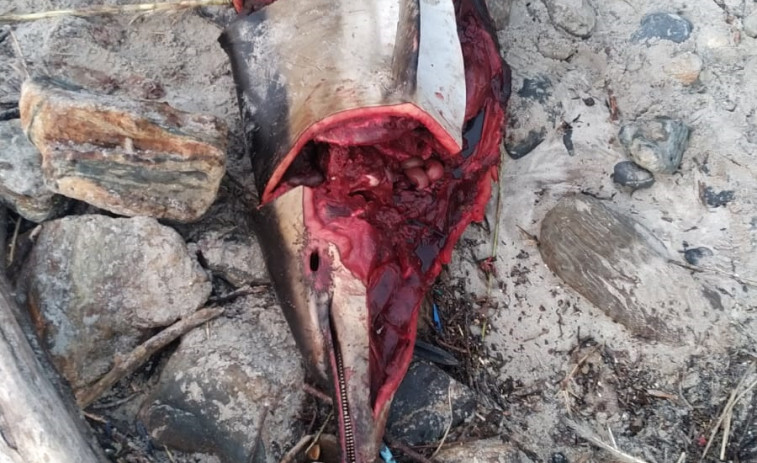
(374, 129)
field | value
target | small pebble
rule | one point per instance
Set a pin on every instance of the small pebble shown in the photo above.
(656, 145)
(558, 457)
(685, 68)
(537, 88)
(629, 174)
(520, 147)
(694, 255)
(665, 26)
(576, 17)
(717, 199)
(750, 24)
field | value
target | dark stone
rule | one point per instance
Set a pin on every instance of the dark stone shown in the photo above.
(537, 89)
(558, 458)
(656, 145)
(520, 148)
(589, 101)
(717, 199)
(694, 255)
(629, 174)
(420, 412)
(665, 26)
(233, 390)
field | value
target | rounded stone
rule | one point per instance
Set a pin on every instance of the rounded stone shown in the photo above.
(685, 68)
(576, 17)
(629, 174)
(665, 26)
(656, 145)
(750, 24)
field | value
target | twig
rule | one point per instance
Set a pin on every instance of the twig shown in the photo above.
(588, 435)
(127, 365)
(742, 280)
(682, 458)
(298, 447)
(451, 419)
(20, 54)
(733, 399)
(107, 10)
(316, 393)
(12, 245)
(320, 431)
(410, 453)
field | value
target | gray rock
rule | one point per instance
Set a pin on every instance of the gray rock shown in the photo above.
(656, 145)
(628, 174)
(234, 390)
(665, 26)
(21, 182)
(750, 24)
(576, 17)
(420, 412)
(234, 257)
(96, 286)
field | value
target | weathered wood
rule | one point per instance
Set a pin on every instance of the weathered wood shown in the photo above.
(35, 423)
(126, 156)
(621, 268)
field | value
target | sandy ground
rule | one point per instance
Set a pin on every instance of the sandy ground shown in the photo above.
(547, 357)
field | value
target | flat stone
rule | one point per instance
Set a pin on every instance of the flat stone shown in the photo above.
(576, 17)
(665, 26)
(236, 258)
(233, 390)
(628, 174)
(750, 24)
(21, 183)
(96, 286)
(420, 411)
(656, 145)
(621, 268)
(126, 156)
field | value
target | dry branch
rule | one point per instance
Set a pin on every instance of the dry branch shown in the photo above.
(125, 366)
(35, 423)
(108, 10)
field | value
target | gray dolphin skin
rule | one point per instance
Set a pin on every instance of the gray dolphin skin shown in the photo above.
(373, 128)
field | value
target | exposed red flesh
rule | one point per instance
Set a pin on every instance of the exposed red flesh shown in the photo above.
(395, 201)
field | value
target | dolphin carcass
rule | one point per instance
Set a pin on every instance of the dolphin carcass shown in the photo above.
(374, 129)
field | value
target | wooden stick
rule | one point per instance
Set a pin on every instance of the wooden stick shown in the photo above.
(106, 10)
(37, 421)
(125, 366)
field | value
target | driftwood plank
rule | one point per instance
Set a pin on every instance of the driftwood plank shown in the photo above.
(621, 268)
(36, 425)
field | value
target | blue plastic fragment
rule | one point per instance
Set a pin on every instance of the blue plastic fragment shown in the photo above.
(386, 454)
(437, 318)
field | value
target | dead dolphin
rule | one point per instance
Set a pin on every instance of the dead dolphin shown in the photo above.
(374, 129)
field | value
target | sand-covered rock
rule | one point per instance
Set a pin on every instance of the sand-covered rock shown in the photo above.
(21, 183)
(127, 156)
(97, 286)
